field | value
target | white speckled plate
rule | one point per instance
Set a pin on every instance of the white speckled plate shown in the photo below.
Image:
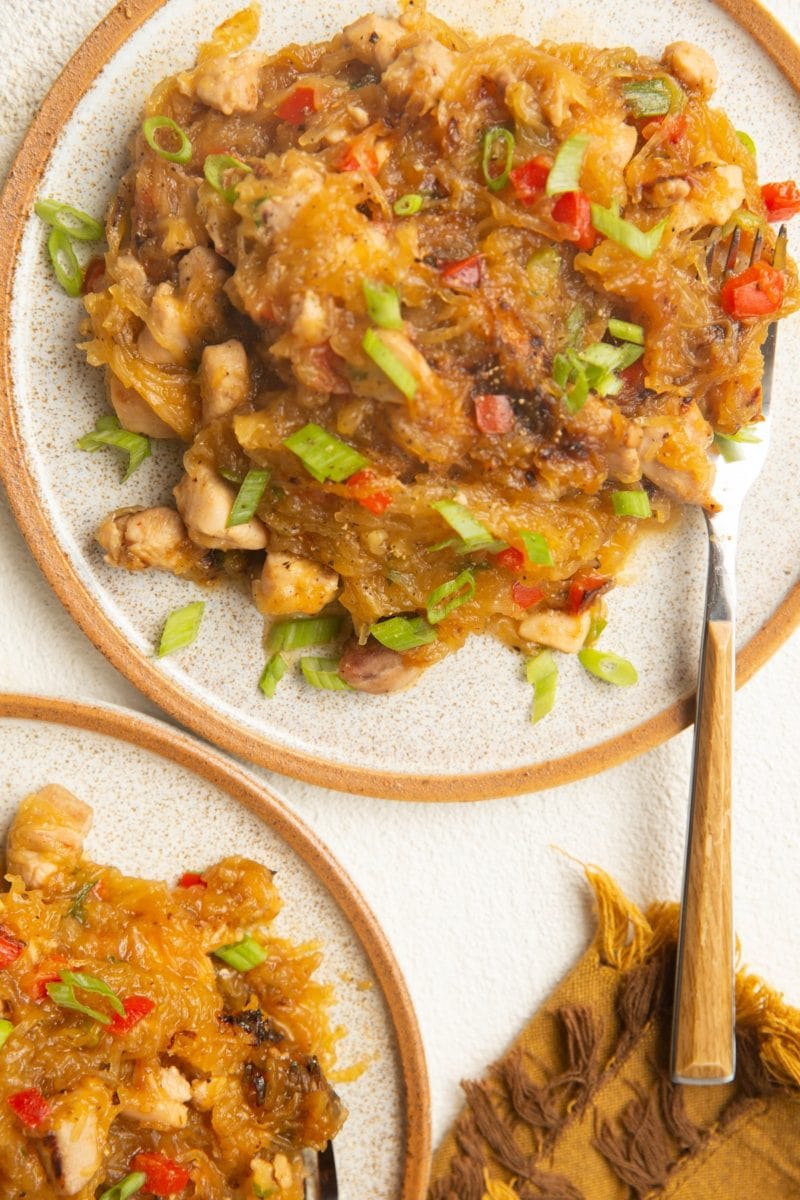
(164, 803)
(463, 732)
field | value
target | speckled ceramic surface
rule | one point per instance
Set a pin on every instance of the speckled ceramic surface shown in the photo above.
(464, 730)
(161, 803)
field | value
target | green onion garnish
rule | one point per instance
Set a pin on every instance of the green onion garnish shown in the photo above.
(181, 628)
(542, 673)
(631, 504)
(323, 455)
(407, 205)
(648, 97)
(6, 1029)
(70, 221)
(248, 498)
(272, 674)
(565, 173)
(536, 548)
(242, 955)
(498, 133)
(595, 629)
(727, 443)
(388, 362)
(66, 266)
(746, 141)
(608, 667)
(403, 633)
(574, 324)
(304, 631)
(323, 673)
(150, 128)
(449, 596)
(626, 331)
(77, 907)
(383, 304)
(215, 169)
(109, 432)
(63, 994)
(642, 243)
(461, 519)
(125, 1188)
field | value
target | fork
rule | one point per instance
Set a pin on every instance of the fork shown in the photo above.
(703, 1027)
(321, 1182)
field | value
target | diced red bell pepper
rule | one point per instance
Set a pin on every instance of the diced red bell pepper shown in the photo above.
(754, 292)
(357, 157)
(375, 502)
(510, 558)
(529, 179)
(297, 105)
(10, 947)
(583, 589)
(466, 273)
(782, 200)
(165, 1177)
(494, 414)
(575, 210)
(30, 1107)
(525, 595)
(191, 879)
(136, 1007)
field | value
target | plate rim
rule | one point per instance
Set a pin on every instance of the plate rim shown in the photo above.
(224, 731)
(156, 737)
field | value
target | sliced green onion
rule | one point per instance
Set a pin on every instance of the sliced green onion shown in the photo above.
(565, 173)
(181, 628)
(576, 396)
(150, 128)
(746, 141)
(125, 1188)
(66, 266)
(77, 907)
(90, 983)
(323, 673)
(304, 631)
(631, 353)
(642, 243)
(728, 443)
(595, 629)
(6, 1029)
(323, 455)
(631, 504)
(648, 97)
(383, 304)
(608, 667)
(449, 596)
(473, 545)
(403, 633)
(272, 674)
(603, 355)
(63, 994)
(498, 133)
(71, 221)
(536, 548)
(409, 204)
(388, 362)
(745, 434)
(248, 498)
(542, 673)
(459, 518)
(242, 955)
(542, 269)
(575, 324)
(231, 476)
(215, 168)
(562, 369)
(109, 432)
(626, 331)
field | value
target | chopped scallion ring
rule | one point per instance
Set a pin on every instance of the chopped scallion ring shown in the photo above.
(631, 504)
(323, 455)
(491, 138)
(451, 595)
(63, 994)
(181, 628)
(537, 551)
(124, 1188)
(746, 141)
(542, 673)
(216, 167)
(150, 128)
(272, 674)
(575, 324)
(408, 205)
(648, 97)
(323, 673)
(403, 633)
(388, 362)
(626, 331)
(474, 536)
(608, 667)
(66, 266)
(90, 983)
(6, 1029)
(109, 432)
(595, 629)
(383, 304)
(565, 173)
(642, 243)
(77, 908)
(71, 221)
(298, 632)
(248, 498)
(242, 955)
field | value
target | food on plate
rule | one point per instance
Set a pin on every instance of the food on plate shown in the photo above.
(156, 1040)
(443, 324)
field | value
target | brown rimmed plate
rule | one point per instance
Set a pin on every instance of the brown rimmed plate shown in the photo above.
(463, 732)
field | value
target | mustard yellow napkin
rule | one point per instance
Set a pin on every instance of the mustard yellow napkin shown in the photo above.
(582, 1106)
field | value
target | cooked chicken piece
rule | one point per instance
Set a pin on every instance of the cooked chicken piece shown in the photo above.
(224, 379)
(375, 669)
(204, 501)
(46, 836)
(180, 320)
(610, 149)
(135, 413)
(674, 455)
(562, 89)
(295, 188)
(716, 194)
(609, 437)
(666, 192)
(128, 271)
(295, 585)
(138, 538)
(73, 1149)
(418, 75)
(692, 66)
(158, 1098)
(227, 82)
(559, 630)
(373, 40)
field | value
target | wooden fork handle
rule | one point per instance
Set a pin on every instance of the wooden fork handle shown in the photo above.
(703, 1045)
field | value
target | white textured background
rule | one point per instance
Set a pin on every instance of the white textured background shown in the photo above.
(484, 915)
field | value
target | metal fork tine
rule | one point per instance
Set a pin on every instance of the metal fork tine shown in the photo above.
(321, 1182)
(758, 242)
(733, 253)
(779, 257)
